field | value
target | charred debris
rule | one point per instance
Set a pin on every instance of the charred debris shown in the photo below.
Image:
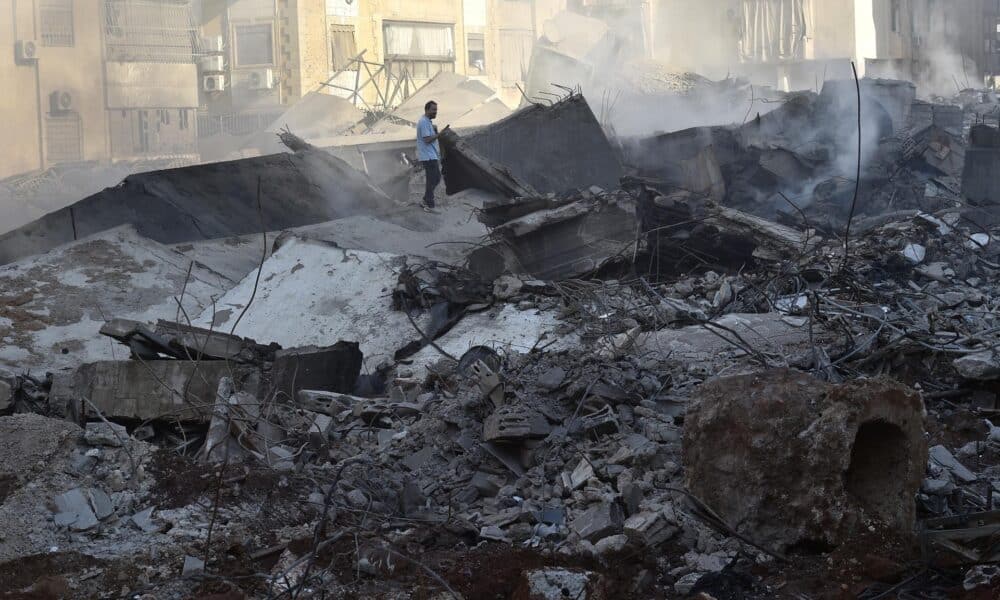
(743, 361)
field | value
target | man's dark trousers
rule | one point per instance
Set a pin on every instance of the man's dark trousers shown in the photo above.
(433, 170)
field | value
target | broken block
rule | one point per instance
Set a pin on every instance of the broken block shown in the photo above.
(74, 511)
(651, 528)
(105, 434)
(149, 390)
(788, 459)
(598, 522)
(6, 395)
(514, 423)
(333, 368)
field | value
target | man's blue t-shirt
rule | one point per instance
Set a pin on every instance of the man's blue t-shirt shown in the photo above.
(425, 151)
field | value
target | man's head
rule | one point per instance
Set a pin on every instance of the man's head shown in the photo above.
(431, 109)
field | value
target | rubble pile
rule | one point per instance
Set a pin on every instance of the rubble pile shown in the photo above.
(650, 372)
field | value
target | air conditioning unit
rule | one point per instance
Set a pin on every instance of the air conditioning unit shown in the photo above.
(26, 51)
(213, 83)
(261, 79)
(212, 44)
(213, 63)
(60, 101)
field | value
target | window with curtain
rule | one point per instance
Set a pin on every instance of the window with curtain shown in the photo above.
(515, 55)
(427, 41)
(773, 30)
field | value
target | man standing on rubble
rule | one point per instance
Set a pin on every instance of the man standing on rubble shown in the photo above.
(429, 151)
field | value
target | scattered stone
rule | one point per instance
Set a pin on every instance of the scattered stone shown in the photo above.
(611, 545)
(105, 434)
(417, 460)
(6, 395)
(685, 584)
(192, 566)
(101, 503)
(552, 379)
(650, 528)
(357, 499)
(981, 366)
(559, 584)
(144, 521)
(982, 576)
(940, 456)
(74, 511)
(937, 487)
(599, 521)
(580, 475)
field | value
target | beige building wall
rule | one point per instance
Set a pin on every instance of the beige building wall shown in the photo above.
(305, 49)
(76, 69)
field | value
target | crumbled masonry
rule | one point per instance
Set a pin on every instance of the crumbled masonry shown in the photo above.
(607, 367)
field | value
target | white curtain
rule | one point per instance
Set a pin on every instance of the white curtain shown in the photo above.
(398, 40)
(417, 41)
(773, 30)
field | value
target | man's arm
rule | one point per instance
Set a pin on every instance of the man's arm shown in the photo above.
(430, 139)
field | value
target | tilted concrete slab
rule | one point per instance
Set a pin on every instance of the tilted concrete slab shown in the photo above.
(210, 201)
(53, 306)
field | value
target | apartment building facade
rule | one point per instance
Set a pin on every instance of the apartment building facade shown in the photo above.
(97, 80)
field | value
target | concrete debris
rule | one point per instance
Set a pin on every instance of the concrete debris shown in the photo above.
(658, 356)
(192, 566)
(859, 454)
(556, 584)
(105, 434)
(599, 521)
(979, 366)
(940, 456)
(147, 390)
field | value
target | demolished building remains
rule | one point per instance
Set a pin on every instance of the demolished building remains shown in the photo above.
(746, 360)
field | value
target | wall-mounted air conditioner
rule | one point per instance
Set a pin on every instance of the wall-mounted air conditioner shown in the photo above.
(60, 101)
(26, 51)
(213, 63)
(213, 83)
(261, 79)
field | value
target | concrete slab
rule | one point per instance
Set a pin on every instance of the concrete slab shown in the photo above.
(52, 306)
(314, 293)
(552, 148)
(149, 390)
(209, 201)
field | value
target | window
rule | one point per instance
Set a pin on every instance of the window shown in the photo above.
(515, 55)
(895, 17)
(147, 31)
(182, 118)
(342, 46)
(63, 138)
(56, 22)
(428, 41)
(421, 49)
(476, 45)
(254, 45)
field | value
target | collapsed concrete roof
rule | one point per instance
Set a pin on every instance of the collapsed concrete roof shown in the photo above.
(461, 102)
(51, 306)
(550, 148)
(313, 117)
(311, 292)
(209, 201)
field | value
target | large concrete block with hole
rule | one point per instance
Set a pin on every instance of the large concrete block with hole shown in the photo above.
(796, 463)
